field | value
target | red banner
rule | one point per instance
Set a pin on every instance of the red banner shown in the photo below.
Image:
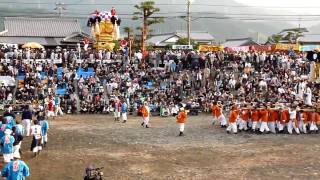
(261, 48)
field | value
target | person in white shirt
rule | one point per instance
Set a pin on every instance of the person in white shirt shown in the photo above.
(263, 85)
(308, 96)
(36, 141)
(174, 110)
(300, 88)
(138, 56)
(292, 124)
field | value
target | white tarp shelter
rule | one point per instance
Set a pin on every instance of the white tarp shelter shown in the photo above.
(7, 81)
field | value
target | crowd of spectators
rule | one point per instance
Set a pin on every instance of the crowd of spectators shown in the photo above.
(89, 80)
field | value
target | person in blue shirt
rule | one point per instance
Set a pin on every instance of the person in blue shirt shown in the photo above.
(16, 170)
(10, 121)
(57, 103)
(19, 128)
(3, 127)
(44, 131)
(124, 111)
(7, 145)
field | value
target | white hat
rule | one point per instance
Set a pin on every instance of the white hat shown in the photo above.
(8, 131)
(181, 109)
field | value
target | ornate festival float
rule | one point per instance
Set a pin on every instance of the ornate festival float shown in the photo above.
(105, 29)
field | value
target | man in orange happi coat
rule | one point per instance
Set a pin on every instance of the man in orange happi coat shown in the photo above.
(264, 116)
(255, 119)
(303, 121)
(244, 118)
(217, 114)
(273, 118)
(233, 120)
(181, 119)
(145, 110)
(284, 119)
(313, 116)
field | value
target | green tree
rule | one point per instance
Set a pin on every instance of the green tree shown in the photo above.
(275, 38)
(128, 30)
(182, 41)
(289, 35)
(185, 41)
(116, 45)
(145, 10)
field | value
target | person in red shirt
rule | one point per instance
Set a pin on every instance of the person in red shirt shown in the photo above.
(113, 12)
(51, 105)
(233, 120)
(255, 119)
(215, 110)
(284, 119)
(303, 120)
(244, 118)
(313, 119)
(317, 118)
(264, 116)
(273, 118)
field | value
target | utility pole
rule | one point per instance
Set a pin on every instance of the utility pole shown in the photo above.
(189, 22)
(144, 30)
(131, 41)
(60, 7)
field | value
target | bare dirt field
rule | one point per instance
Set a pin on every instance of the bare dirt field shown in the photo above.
(128, 151)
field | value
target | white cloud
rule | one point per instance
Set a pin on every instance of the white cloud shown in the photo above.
(296, 6)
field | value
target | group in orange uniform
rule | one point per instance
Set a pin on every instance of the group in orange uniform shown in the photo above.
(181, 117)
(269, 119)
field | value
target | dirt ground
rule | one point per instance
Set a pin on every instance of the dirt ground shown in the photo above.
(128, 151)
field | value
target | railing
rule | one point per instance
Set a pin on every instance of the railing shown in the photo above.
(59, 61)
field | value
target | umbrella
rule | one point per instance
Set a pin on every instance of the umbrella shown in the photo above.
(33, 45)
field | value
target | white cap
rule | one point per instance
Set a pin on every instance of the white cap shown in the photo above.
(8, 131)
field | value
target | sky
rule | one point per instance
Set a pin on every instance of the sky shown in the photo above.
(294, 6)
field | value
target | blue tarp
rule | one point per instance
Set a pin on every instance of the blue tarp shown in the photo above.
(43, 75)
(59, 73)
(149, 85)
(309, 47)
(19, 78)
(85, 74)
(61, 91)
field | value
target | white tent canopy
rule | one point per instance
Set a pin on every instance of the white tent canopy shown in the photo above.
(7, 81)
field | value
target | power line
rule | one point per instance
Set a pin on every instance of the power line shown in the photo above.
(179, 17)
(183, 14)
(164, 4)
